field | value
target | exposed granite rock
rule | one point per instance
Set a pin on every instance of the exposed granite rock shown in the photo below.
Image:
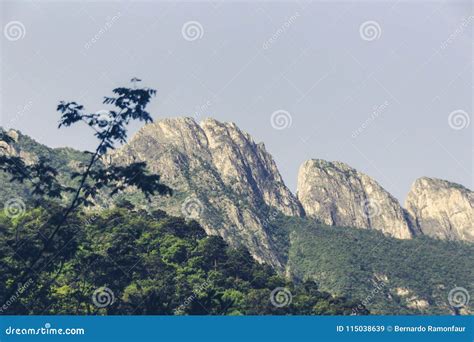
(246, 166)
(8, 148)
(442, 209)
(13, 134)
(232, 186)
(337, 194)
(220, 176)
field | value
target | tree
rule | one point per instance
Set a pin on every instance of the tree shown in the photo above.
(111, 130)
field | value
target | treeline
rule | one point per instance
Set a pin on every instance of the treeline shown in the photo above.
(127, 261)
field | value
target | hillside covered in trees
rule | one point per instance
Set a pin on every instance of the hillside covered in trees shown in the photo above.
(101, 232)
(389, 275)
(123, 261)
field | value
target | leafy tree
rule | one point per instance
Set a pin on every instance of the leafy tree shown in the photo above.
(111, 130)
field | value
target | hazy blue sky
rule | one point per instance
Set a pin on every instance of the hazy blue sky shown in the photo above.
(368, 83)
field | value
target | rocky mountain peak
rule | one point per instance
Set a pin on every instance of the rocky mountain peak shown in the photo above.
(182, 133)
(337, 194)
(233, 182)
(247, 166)
(442, 209)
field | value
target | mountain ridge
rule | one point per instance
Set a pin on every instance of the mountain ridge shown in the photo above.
(230, 184)
(221, 173)
(342, 196)
(233, 163)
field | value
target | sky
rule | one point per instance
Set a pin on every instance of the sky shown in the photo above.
(384, 86)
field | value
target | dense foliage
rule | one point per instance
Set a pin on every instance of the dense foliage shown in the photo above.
(391, 276)
(92, 179)
(149, 263)
(64, 258)
(362, 265)
(64, 160)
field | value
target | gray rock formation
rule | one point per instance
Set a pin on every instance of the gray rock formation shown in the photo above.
(14, 149)
(8, 149)
(231, 185)
(442, 209)
(337, 194)
(221, 177)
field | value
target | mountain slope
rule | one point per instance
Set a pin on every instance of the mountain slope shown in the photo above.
(65, 160)
(221, 177)
(339, 195)
(231, 185)
(442, 209)
(127, 262)
(390, 276)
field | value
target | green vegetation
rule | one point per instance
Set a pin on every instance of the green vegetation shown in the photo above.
(150, 263)
(64, 160)
(92, 179)
(71, 255)
(389, 275)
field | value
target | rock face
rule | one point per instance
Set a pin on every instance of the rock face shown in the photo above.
(231, 185)
(337, 194)
(221, 177)
(12, 147)
(6, 148)
(442, 209)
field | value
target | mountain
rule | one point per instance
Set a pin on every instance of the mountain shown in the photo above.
(442, 209)
(339, 195)
(221, 177)
(232, 186)
(342, 230)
